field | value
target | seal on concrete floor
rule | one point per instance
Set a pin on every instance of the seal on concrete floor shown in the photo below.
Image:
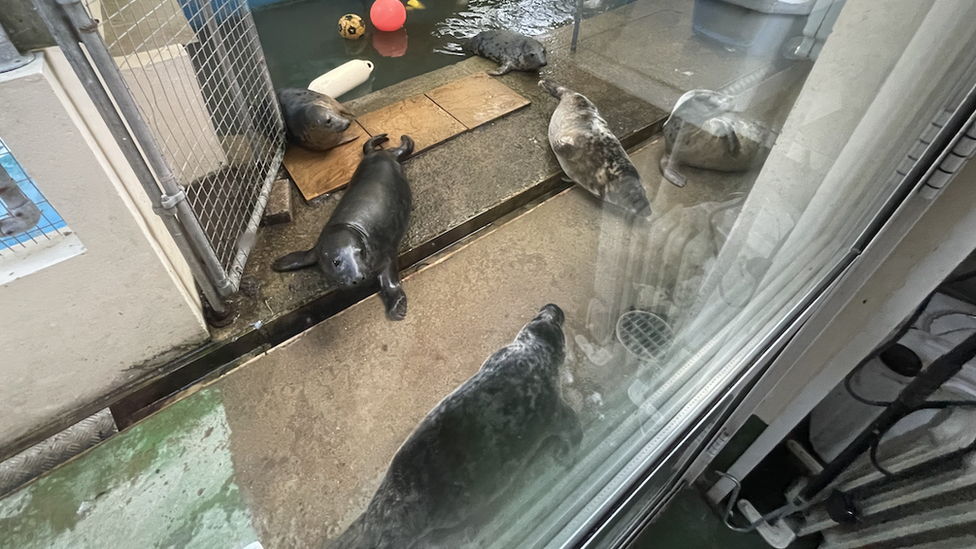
(590, 154)
(314, 121)
(513, 51)
(703, 132)
(472, 445)
(360, 242)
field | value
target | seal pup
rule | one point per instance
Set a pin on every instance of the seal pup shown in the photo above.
(590, 154)
(313, 120)
(513, 51)
(360, 241)
(468, 450)
(704, 132)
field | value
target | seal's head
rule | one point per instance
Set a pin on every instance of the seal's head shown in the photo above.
(344, 256)
(533, 56)
(324, 117)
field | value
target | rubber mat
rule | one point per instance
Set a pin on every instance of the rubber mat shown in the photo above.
(430, 119)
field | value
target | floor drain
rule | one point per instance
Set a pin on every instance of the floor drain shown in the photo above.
(644, 334)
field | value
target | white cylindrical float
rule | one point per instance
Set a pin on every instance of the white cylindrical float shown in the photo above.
(342, 78)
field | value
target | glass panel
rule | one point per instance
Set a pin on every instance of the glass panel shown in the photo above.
(791, 124)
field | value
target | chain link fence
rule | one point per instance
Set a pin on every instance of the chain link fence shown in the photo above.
(197, 73)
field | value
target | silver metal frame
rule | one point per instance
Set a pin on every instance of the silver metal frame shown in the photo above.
(72, 26)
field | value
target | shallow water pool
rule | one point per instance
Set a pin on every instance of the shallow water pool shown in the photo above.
(301, 41)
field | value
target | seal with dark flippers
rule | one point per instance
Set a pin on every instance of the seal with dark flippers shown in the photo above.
(471, 447)
(313, 120)
(360, 241)
(590, 154)
(513, 51)
(705, 132)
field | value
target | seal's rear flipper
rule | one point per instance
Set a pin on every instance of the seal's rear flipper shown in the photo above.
(405, 149)
(294, 261)
(373, 143)
(552, 87)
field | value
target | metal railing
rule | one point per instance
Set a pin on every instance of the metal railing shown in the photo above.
(184, 88)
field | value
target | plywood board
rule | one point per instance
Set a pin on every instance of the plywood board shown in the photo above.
(419, 117)
(429, 119)
(477, 99)
(317, 173)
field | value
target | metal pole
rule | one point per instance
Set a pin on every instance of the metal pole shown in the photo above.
(577, 20)
(10, 56)
(174, 197)
(65, 37)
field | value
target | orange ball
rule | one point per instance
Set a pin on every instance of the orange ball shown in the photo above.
(388, 15)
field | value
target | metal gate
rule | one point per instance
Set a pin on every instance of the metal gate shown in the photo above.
(184, 87)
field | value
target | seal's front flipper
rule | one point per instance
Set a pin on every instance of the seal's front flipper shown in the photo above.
(570, 434)
(391, 292)
(670, 172)
(504, 69)
(294, 261)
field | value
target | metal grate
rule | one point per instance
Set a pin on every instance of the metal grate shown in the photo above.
(644, 334)
(198, 75)
(49, 224)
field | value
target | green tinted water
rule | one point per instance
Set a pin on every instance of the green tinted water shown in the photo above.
(301, 39)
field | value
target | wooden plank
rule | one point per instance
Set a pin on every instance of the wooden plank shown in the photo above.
(418, 117)
(429, 119)
(317, 173)
(477, 99)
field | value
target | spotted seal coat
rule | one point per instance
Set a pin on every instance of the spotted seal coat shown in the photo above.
(360, 241)
(313, 120)
(467, 451)
(704, 132)
(590, 154)
(513, 51)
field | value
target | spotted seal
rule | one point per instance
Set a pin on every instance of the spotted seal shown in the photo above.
(590, 154)
(360, 241)
(704, 132)
(313, 120)
(468, 450)
(513, 51)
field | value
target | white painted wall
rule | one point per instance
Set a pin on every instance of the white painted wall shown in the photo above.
(75, 331)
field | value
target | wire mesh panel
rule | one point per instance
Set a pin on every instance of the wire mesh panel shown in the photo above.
(42, 223)
(198, 75)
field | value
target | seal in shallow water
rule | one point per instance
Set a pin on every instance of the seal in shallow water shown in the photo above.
(511, 50)
(360, 241)
(704, 132)
(471, 446)
(590, 154)
(313, 120)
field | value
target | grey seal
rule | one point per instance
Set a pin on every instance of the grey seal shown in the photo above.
(590, 154)
(360, 241)
(467, 451)
(704, 132)
(509, 49)
(313, 120)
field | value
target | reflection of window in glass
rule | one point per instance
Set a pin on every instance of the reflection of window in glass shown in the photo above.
(26, 216)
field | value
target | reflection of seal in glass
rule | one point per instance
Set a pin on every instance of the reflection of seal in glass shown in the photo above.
(472, 446)
(704, 132)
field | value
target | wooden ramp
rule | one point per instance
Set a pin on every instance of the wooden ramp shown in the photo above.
(430, 119)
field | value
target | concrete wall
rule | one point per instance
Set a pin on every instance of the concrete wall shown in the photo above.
(78, 329)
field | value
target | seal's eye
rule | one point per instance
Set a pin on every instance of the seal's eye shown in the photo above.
(337, 262)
